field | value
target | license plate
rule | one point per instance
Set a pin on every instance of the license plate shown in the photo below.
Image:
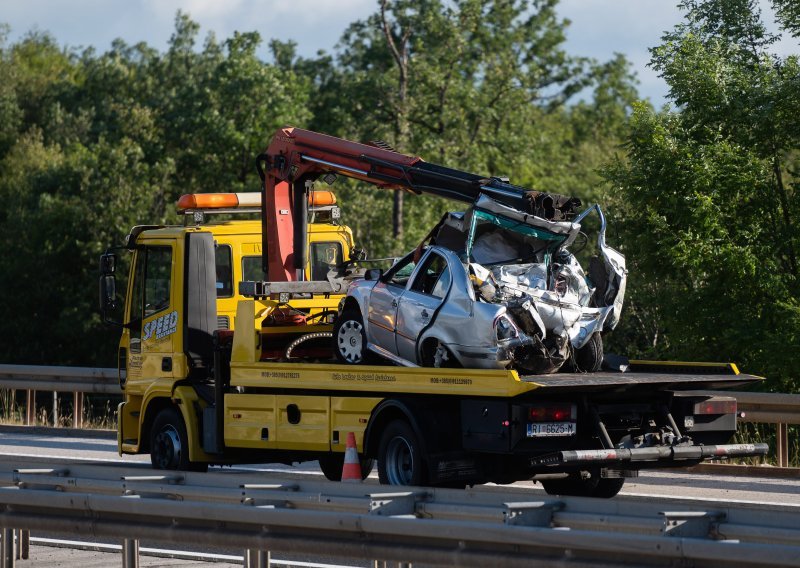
(542, 429)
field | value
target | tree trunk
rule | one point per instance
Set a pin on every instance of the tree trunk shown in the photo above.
(401, 127)
(787, 218)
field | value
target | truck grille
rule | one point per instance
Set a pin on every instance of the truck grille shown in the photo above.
(223, 322)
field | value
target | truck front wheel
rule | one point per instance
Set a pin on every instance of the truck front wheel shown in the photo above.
(400, 456)
(169, 444)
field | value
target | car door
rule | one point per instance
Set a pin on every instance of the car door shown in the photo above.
(383, 302)
(418, 306)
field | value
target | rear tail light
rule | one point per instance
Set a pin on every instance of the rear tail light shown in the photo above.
(716, 406)
(553, 413)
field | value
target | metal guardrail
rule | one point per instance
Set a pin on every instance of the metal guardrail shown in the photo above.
(771, 408)
(77, 380)
(483, 526)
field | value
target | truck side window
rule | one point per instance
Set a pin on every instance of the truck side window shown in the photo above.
(158, 272)
(224, 267)
(137, 296)
(251, 269)
(322, 256)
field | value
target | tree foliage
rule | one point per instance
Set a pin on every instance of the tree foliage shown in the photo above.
(713, 186)
(91, 144)
(476, 84)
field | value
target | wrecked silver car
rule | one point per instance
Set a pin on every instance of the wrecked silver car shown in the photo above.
(495, 288)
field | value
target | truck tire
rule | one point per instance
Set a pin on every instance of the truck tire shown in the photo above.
(589, 358)
(169, 444)
(331, 466)
(400, 459)
(349, 338)
(595, 486)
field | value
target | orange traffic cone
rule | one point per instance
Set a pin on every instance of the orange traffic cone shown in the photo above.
(351, 470)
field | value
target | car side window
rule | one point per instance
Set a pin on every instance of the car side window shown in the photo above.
(442, 284)
(399, 274)
(433, 272)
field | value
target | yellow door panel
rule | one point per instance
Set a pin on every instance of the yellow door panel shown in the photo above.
(350, 414)
(303, 422)
(250, 421)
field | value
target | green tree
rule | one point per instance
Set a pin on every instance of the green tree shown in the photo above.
(92, 144)
(475, 84)
(711, 186)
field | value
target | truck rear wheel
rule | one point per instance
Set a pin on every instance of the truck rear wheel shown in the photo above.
(400, 456)
(169, 444)
(349, 338)
(331, 466)
(576, 485)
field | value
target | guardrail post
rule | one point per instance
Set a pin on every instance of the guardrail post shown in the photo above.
(55, 409)
(23, 544)
(77, 409)
(30, 407)
(7, 554)
(256, 558)
(782, 445)
(130, 553)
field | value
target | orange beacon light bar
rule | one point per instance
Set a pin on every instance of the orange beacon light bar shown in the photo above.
(194, 201)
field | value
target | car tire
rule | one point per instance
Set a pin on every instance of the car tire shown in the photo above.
(350, 339)
(169, 443)
(332, 464)
(589, 358)
(400, 459)
(577, 486)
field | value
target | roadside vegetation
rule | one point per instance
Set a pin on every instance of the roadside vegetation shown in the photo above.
(702, 194)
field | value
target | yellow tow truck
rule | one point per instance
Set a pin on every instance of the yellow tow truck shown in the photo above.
(219, 366)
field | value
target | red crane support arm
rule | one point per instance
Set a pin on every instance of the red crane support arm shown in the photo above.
(296, 157)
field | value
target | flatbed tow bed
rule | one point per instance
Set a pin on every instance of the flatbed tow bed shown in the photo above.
(470, 425)
(677, 376)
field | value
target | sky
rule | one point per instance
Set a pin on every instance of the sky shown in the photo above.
(599, 28)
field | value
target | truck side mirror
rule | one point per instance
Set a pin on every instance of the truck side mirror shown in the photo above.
(108, 294)
(373, 274)
(108, 287)
(108, 263)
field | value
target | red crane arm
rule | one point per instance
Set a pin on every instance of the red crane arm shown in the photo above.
(296, 157)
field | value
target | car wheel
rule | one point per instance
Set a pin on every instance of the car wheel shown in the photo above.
(589, 358)
(169, 444)
(350, 340)
(332, 464)
(399, 456)
(576, 485)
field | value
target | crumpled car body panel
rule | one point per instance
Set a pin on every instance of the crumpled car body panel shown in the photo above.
(503, 293)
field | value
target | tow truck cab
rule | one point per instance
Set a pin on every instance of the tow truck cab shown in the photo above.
(183, 285)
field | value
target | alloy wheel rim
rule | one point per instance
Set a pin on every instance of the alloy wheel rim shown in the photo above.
(349, 340)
